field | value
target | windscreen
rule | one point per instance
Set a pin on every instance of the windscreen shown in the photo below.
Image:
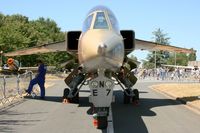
(100, 21)
(113, 21)
(87, 23)
(104, 18)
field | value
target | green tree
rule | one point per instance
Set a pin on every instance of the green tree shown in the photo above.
(12, 32)
(45, 31)
(18, 32)
(161, 56)
(181, 59)
(192, 56)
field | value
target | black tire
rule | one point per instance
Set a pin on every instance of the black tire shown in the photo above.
(102, 122)
(65, 93)
(136, 93)
(126, 97)
(75, 99)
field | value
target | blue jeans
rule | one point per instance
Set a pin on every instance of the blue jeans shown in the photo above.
(40, 83)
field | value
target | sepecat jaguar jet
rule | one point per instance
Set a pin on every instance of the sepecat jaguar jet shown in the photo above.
(102, 49)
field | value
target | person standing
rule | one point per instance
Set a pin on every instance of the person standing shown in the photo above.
(39, 79)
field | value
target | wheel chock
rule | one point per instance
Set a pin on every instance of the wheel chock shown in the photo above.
(65, 101)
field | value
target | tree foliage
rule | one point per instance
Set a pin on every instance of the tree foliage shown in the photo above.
(192, 56)
(163, 57)
(181, 59)
(17, 32)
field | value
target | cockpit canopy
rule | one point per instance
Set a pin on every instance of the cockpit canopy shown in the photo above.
(100, 17)
(100, 21)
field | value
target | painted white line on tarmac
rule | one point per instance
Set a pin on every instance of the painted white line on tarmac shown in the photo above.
(110, 128)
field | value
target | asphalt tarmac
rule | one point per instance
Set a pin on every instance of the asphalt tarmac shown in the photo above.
(155, 114)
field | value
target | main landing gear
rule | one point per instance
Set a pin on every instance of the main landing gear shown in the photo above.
(131, 96)
(73, 99)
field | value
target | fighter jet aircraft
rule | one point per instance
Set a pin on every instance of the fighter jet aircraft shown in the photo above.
(102, 50)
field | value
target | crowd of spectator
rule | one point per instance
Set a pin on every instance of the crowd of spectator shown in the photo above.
(165, 73)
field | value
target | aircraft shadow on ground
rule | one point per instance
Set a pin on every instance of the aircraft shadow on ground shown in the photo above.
(47, 98)
(83, 101)
(184, 100)
(127, 118)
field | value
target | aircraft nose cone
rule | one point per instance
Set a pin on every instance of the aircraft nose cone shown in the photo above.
(102, 49)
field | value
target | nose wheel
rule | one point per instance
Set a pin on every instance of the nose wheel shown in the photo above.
(100, 117)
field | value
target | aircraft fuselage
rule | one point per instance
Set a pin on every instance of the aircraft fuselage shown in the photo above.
(101, 49)
(101, 45)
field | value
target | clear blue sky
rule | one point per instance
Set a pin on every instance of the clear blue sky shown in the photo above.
(179, 18)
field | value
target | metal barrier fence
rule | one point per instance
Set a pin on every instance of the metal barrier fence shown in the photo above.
(13, 86)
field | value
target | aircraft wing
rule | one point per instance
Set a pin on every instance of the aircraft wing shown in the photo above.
(152, 46)
(46, 48)
(61, 46)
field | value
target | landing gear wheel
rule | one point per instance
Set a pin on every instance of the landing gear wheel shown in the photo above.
(102, 122)
(75, 99)
(70, 100)
(65, 93)
(136, 93)
(135, 98)
(126, 97)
